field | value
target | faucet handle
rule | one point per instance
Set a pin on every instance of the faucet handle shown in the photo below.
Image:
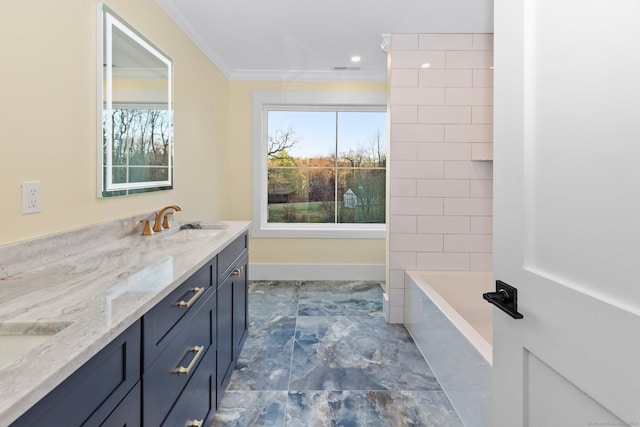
(165, 223)
(147, 227)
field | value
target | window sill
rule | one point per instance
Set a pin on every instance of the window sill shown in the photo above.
(320, 231)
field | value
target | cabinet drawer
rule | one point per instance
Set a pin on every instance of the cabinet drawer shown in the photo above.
(95, 389)
(160, 319)
(227, 258)
(197, 402)
(163, 382)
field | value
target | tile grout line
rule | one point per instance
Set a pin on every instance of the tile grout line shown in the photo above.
(293, 346)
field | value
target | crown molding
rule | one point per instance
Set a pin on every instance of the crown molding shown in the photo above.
(308, 75)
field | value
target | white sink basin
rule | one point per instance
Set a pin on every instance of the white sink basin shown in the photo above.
(192, 234)
(206, 231)
(17, 339)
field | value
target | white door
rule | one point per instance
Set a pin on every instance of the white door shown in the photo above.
(567, 212)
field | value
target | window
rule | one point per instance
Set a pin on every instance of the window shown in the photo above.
(320, 164)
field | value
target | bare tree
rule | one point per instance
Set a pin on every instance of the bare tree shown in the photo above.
(280, 141)
(366, 179)
(377, 149)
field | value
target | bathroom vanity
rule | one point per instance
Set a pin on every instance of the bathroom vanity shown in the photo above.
(138, 331)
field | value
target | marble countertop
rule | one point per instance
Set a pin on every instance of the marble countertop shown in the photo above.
(91, 297)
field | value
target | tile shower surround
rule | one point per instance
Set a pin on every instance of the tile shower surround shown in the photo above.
(441, 136)
(321, 354)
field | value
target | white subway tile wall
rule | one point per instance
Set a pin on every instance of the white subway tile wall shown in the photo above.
(405, 151)
(441, 94)
(406, 41)
(481, 114)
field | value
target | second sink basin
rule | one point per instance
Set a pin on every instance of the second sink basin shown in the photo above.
(18, 338)
(191, 234)
(196, 231)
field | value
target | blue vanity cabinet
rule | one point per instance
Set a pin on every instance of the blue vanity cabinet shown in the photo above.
(170, 368)
(232, 309)
(101, 391)
(181, 358)
(159, 323)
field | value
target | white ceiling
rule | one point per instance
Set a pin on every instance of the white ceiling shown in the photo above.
(305, 40)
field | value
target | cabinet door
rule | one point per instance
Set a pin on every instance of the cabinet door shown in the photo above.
(225, 335)
(95, 389)
(128, 413)
(240, 321)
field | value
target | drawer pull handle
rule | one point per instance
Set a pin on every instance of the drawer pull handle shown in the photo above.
(195, 423)
(196, 294)
(198, 350)
(237, 272)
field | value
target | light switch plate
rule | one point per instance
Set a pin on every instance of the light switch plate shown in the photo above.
(31, 197)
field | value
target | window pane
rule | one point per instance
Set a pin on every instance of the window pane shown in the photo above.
(361, 196)
(361, 139)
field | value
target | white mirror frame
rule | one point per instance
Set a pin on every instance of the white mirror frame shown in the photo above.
(107, 21)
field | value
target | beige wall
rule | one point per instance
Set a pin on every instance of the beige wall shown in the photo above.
(48, 109)
(239, 200)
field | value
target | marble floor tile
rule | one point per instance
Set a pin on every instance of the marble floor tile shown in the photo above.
(340, 298)
(265, 360)
(272, 298)
(370, 409)
(251, 408)
(356, 353)
(321, 354)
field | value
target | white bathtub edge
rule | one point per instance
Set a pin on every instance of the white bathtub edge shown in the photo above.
(481, 344)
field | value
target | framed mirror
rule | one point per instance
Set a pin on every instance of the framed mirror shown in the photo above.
(135, 142)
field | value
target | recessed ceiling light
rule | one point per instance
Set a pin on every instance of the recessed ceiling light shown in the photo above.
(425, 65)
(355, 58)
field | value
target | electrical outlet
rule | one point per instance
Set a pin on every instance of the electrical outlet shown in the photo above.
(31, 197)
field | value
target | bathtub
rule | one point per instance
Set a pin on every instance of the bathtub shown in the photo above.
(452, 326)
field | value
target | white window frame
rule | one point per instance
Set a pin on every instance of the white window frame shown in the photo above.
(262, 102)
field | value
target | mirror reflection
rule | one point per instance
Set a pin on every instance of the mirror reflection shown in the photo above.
(136, 145)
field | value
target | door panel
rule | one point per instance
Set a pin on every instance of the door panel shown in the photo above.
(565, 405)
(582, 142)
(566, 211)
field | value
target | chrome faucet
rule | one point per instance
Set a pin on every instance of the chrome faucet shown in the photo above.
(157, 224)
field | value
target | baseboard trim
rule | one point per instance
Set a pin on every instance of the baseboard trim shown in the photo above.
(317, 272)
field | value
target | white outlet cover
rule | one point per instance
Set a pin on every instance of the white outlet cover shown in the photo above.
(31, 197)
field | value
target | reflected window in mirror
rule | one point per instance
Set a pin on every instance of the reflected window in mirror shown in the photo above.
(136, 138)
